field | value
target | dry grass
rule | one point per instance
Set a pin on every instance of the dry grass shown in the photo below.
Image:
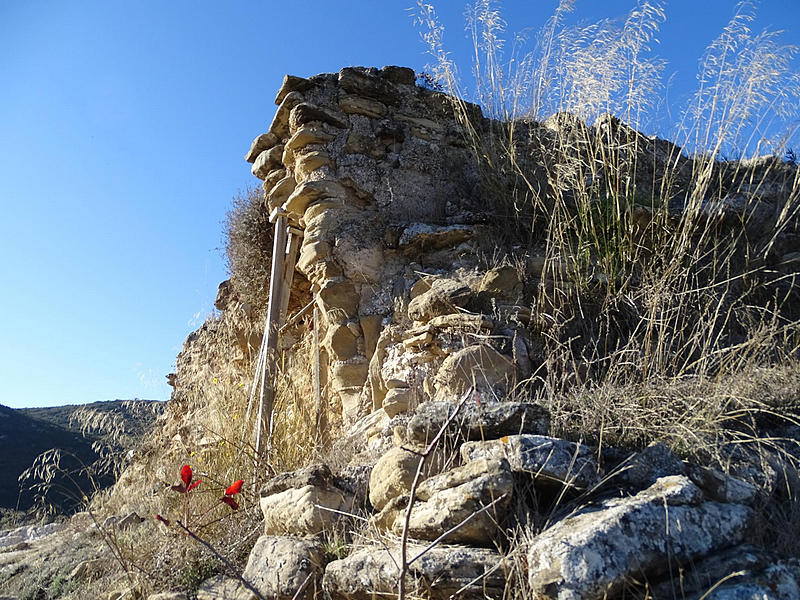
(248, 247)
(657, 287)
(658, 317)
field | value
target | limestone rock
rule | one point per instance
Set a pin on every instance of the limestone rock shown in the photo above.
(371, 572)
(350, 374)
(341, 342)
(361, 259)
(780, 581)
(294, 503)
(267, 161)
(545, 458)
(480, 367)
(371, 326)
(89, 568)
(305, 136)
(309, 191)
(279, 194)
(359, 83)
(462, 322)
(339, 297)
(641, 470)
(592, 553)
(317, 475)
(279, 566)
(487, 420)
(272, 179)
(392, 476)
(280, 122)
(301, 511)
(447, 500)
(444, 296)
(263, 142)
(419, 238)
(366, 428)
(221, 587)
(362, 106)
(721, 487)
(399, 75)
(304, 113)
(118, 595)
(701, 576)
(292, 83)
(309, 162)
(398, 400)
(501, 282)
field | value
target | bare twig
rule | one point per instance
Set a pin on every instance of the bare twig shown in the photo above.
(231, 569)
(401, 583)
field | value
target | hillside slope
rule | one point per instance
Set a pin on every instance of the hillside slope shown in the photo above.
(28, 432)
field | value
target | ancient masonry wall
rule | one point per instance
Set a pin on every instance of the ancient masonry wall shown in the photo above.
(376, 173)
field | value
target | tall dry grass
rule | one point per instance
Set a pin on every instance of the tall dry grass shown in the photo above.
(660, 285)
(666, 309)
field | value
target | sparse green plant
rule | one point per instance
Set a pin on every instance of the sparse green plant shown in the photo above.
(192, 575)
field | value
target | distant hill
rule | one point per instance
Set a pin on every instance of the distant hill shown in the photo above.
(73, 430)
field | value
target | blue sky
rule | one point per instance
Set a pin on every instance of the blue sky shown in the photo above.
(122, 132)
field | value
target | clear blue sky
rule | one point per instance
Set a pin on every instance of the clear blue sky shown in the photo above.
(122, 131)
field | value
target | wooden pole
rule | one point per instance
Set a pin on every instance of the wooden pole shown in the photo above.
(315, 383)
(276, 291)
(295, 236)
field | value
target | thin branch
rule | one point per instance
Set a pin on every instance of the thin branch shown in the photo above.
(401, 584)
(231, 569)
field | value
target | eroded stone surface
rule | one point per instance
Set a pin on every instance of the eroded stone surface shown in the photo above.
(541, 457)
(372, 572)
(455, 498)
(480, 367)
(487, 420)
(592, 553)
(221, 587)
(444, 296)
(780, 581)
(295, 503)
(279, 566)
(392, 476)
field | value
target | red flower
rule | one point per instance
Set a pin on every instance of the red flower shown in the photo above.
(235, 488)
(186, 475)
(231, 492)
(163, 520)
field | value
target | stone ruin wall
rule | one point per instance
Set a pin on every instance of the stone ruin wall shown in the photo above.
(376, 173)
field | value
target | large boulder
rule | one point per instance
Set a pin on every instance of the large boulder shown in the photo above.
(371, 572)
(480, 367)
(443, 297)
(392, 476)
(305, 502)
(780, 581)
(594, 552)
(453, 501)
(280, 566)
